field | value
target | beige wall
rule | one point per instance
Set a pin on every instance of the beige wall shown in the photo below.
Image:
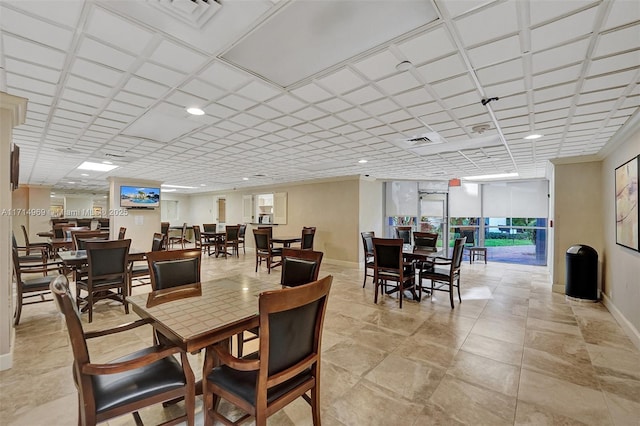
(621, 265)
(35, 200)
(12, 113)
(371, 210)
(332, 207)
(19, 202)
(578, 212)
(140, 223)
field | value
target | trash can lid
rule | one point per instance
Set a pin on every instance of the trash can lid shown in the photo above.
(582, 250)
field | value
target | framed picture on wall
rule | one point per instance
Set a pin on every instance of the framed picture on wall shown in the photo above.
(627, 211)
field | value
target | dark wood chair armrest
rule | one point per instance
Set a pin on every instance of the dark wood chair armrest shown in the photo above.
(120, 367)
(226, 358)
(118, 329)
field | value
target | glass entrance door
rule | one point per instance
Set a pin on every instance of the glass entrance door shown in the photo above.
(434, 216)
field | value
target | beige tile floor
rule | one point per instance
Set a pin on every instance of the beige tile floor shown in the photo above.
(512, 353)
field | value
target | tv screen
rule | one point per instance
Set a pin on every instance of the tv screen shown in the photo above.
(135, 196)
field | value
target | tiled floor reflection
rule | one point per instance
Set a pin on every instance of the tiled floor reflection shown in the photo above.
(511, 353)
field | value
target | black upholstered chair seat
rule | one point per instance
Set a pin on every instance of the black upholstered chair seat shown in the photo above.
(243, 383)
(27, 258)
(113, 390)
(140, 269)
(438, 273)
(276, 251)
(33, 283)
(100, 284)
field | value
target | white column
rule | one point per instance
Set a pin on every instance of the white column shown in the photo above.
(13, 110)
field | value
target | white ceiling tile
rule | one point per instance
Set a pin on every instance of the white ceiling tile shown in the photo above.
(132, 98)
(614, 63)
(17, 80)
(286, 103)
(424, 109)
(35, 29)
(82, 98)
(470, 98)
(224, 76)
(398, 83)
(501, 72)
(129, 36)
(236, 102)
(471, 110)
(37, 72)
(444, 68)
(309, 113)
(380, 107)
(333, 105)
(85, 85)
(352, 115)
(311, 93)
(65, 12)
(95, 72)
(473, 28)
(542, 95)
(258, 91)
(558, 32)
(160, 74)
(498, 51)
(218, 110)
(22, 49)
(360, 96)
(560, 56)
(201, 89)
(379, 65)
(453, 86)
(541, 11)
(98, 52)
(617, 41)
(413, 97)
(186, 100)
(145, 87)
(246, 120)
(609, 80)
(328, 122)
(428, 46)
(264, 111)
(178, 57)
(553, 105)
(124, 108)
(287, 121)
(342, 81)
(505, 89)
(562, 75)
(621, 13)
(594, 108)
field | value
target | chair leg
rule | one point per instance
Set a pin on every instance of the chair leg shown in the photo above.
(90, 305)
(315, 403)
(401, 291)
(240, 340)
(459, 298)
(18, 307)
(376, 284)
(451, 293)
(257, 263)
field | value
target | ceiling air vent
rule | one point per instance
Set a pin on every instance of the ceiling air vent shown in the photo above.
(424, 139)
(195, 13)
(421, 139)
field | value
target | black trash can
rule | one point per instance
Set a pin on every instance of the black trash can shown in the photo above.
(582, 273)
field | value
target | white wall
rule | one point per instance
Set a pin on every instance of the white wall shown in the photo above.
(203, 209)
(621, 282)
(80, 206)
(184, 207)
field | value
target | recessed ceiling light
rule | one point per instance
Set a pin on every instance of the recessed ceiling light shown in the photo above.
(245, 178)
(362, 161)
(71, 183)
(203, 184)
(107, 162)
(167, 190)
(493, 176)
(104, 196)
(98, 167)
(404, 66)
(177, 186)
(195, 111)
(534, 136)
(84, 174)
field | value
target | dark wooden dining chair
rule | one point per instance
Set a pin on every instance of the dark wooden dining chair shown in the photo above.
(298, 267)
(122, 232)
(164, 230)
(80, 238)
(29, 255)
(230, 240)
(390, 267)
(367, 246)
(32, 282)
(201, 242)
(209, 227)
(241, 236)
(127, 384)
(182, 239)
(172, 268)
(308, 234)
(139, 269)
(288, 364)
(37, 247)
(265, 250)
(404, 232)
(424, 242)
(445, 272)
(108, 270)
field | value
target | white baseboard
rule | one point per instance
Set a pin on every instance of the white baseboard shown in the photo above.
(628, 328)
(342, 263)
(6, 360)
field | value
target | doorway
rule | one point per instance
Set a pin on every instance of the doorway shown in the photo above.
(434, 213)
(222, 210)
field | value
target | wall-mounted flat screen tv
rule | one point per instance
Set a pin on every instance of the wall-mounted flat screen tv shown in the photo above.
(135, 196)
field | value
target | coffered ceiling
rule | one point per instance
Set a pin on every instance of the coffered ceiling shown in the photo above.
(299, 90)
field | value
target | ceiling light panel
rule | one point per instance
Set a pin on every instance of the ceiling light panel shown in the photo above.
(315, 48)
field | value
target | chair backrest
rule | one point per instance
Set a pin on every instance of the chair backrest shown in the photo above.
(184, 230)
(469, 234)
(425, 241)
(164, 228)
(26, 235)
(108, 260)
(84, 222)
(159, 242)
(387, 253)
(458, 248)
(263, 239)
(404, 232)
(299, 266)
(80, 238)
(68, 229)
(122, 232)
(367, 243)
(209, 227)
(291, 323)
(67, 306)
(198, 235)
(232, 232)
(174, 268)
(16, 264)
(58, 230)
(268, 228)
(243, 230)
(308, 233)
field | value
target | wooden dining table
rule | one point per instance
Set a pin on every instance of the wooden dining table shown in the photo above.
(217, 238)
(199, 315)
(286, 241)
